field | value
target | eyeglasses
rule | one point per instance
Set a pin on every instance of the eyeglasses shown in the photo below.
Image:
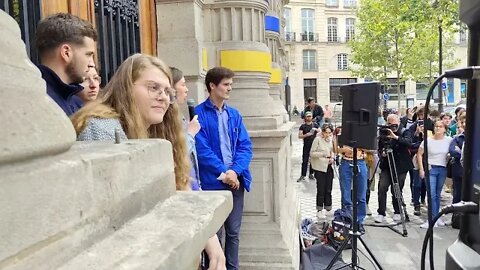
(155, 90)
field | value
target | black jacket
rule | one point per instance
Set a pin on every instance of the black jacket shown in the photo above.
(401, 154)
(63, 94)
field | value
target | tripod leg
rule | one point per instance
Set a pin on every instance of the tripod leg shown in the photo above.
(397, 192)
(339, 252)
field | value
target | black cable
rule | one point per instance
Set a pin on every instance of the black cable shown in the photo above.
(370, 260)
(426, 165)
(461, 207)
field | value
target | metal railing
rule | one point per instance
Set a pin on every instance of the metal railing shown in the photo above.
(302, 37)
(27, 14)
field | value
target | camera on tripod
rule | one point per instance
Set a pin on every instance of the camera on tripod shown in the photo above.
(384, 131)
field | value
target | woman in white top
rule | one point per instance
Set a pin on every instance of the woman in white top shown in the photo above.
(438, 147)
(321, 159)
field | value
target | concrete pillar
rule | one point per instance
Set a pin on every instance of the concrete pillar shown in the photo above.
(32, 123)
(231, 33)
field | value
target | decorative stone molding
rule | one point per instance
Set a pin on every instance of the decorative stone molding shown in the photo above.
(32, 123)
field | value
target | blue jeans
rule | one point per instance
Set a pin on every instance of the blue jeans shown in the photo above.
(232, 229)
(438, 174)
(417, 188)
(346, 176)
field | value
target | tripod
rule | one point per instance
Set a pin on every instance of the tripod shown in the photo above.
(354, 234)
(398, 196)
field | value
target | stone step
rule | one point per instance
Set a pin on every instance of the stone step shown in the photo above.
(273, 240)
(257, 227)
(265, 266)
(265, 255)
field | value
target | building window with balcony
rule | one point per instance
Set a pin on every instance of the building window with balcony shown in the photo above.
(308, 20)
(332, 30)
(331, 3)
(342, 61)
(289, 35)
(309, 60)
(349, 3)
(392, 86)
(349, 28)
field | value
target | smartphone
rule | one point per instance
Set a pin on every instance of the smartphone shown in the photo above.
(420, 122)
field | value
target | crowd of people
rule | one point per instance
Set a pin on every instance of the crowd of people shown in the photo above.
(142, 100)
(402, 137)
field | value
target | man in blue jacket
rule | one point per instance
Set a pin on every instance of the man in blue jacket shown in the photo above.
(224, 153)
(66, 46)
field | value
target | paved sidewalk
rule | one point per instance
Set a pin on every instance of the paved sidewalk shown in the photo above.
(391, 249)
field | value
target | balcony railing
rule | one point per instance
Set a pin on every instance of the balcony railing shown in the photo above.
(302, 37)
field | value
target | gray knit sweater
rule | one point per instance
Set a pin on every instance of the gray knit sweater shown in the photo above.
(101, 129)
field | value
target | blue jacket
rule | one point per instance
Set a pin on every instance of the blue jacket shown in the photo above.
(457, 169)
(63, 94)
(207, 141)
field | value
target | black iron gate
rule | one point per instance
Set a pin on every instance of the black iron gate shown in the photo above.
(118, 29)
(27, 14)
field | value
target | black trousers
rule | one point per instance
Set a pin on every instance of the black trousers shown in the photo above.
(383, 185)
(324, 188)
(305, 158)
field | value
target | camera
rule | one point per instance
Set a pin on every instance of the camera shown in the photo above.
(384, 130)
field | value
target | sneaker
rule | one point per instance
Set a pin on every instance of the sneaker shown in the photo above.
(379, 219)
(321, 215)
(396, 217)
(425, 225)
(369, 213)
(416, 211)
(439, 223)
(311, 177)
(328, 212)
(301, 178)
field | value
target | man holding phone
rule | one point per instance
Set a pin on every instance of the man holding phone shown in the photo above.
(307, 132)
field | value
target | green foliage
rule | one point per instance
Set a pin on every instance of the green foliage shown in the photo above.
(400, 37)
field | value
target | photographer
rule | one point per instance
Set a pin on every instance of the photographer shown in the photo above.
(398, 140)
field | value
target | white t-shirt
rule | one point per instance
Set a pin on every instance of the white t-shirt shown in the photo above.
(437, 151)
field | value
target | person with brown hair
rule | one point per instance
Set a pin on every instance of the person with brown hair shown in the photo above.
(224, 153)
(138, 103)
(91, 86)
(66, 46)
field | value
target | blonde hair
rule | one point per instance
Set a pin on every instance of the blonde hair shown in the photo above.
(117, 101)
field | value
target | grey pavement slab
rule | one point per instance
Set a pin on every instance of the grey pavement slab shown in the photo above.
(392, 250)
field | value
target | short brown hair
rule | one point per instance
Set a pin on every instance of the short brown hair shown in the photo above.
(177, 75)
(216, 75)
(62, 28)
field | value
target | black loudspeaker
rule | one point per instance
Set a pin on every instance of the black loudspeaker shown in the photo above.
(359, 115)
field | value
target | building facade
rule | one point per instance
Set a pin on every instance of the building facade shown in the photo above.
(317, 34)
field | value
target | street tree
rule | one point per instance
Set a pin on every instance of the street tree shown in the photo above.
(398, 37)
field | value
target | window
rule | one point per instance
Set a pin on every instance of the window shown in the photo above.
(308, 19)
(350, 28)
(310, 88)
(349, 3)
(332, 29)
(392, 88)
(331, 3)
(289, 36)
(309, 60)
(342, 61)
(335, 84)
